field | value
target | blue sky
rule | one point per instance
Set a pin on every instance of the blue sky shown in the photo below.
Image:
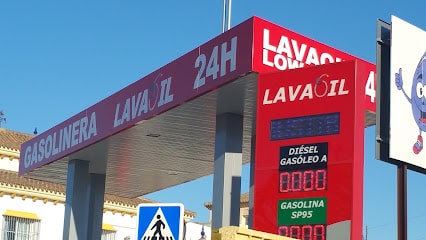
(60, 57)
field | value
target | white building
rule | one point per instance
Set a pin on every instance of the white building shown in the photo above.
(244, 210)
(33, 209)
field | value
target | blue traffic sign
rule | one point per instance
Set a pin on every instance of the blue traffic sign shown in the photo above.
(160, 221)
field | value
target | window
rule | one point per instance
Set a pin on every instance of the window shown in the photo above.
(108, 232)
(20, 226)
(108, 235)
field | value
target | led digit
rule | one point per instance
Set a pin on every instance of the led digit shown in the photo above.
(296, 178)
(285, 182)
(319, 232)
(283, 231)
(295, 232)
(307, 180)
(321, 179)
(306, 232)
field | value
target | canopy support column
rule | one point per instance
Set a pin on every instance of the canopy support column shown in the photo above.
(227, 171)
(84, 202)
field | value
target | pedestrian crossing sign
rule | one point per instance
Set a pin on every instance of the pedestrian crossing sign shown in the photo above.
(160, 221)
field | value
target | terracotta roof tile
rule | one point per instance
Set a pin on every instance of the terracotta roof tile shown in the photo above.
(13, 140)
(244, 200)
(11, 178)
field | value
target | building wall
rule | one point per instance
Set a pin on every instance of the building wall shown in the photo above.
(52, 214)
(125, 225)
(244, 212)
(8, 164)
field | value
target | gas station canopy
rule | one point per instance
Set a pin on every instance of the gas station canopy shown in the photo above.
(160, 131)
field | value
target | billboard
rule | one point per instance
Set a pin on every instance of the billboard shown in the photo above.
(310, 152)
(408, 94)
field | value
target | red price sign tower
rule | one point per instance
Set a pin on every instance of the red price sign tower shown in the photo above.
(309, 152)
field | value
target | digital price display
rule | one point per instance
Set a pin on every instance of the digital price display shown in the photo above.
(303, 168)
(305, 181)
(305, 126)
(305, 232)
(308, 167)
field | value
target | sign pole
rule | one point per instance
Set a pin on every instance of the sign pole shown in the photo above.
(402, 201)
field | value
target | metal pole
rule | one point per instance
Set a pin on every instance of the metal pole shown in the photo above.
(226, 15)
(402, 201)
(223, 15)
(229, 13)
